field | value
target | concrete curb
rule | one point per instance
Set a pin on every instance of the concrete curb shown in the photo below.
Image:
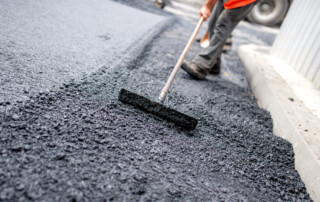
(292, 120)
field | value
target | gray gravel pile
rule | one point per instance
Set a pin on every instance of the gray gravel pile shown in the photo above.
(79, 143)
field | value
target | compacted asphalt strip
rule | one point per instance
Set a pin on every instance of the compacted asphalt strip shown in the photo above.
(79, 143)
(44, 44)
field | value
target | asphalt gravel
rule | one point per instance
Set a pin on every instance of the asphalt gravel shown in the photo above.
(79, 143)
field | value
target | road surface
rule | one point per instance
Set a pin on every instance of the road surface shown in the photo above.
(77, 142)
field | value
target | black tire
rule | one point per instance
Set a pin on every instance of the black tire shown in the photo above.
(160, 3)
(269, 12)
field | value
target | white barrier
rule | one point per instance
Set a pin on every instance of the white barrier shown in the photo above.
(298, 43)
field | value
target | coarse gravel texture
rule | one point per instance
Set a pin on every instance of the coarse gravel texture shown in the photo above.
(79, 143)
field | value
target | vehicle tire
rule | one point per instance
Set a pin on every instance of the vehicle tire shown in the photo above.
(269, 12)
(160, 3)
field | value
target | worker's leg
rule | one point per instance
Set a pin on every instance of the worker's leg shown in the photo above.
(215, 12)
(226, 22)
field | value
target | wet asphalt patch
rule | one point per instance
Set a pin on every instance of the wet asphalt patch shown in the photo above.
(80, 144)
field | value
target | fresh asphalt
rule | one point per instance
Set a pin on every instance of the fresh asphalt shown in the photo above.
(78, 142)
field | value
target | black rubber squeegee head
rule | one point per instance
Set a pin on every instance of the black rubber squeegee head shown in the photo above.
(182, 120)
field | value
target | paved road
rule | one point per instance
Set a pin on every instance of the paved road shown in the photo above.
(45, 43)
(79, 143)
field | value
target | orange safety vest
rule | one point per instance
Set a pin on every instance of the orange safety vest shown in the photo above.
(237, 3)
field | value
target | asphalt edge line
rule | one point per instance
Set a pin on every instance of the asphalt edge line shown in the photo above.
(260, 80)
(139, 50)
(134, 54)
(138, 47)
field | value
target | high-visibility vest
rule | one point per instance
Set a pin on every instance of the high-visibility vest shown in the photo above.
(237, 3)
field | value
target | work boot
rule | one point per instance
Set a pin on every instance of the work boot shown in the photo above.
(194, 71)
(216, 68)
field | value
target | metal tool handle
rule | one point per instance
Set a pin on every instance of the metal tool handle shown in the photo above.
(165, 90)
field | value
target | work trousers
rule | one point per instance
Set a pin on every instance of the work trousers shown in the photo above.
(221, 23)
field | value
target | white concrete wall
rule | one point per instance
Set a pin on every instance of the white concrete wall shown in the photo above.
(298, 43)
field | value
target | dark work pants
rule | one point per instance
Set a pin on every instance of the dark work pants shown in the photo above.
(221, 23)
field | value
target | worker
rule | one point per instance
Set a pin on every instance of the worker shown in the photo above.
(224, 17)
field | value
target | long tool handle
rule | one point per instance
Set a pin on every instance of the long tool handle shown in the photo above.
(165, 90)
